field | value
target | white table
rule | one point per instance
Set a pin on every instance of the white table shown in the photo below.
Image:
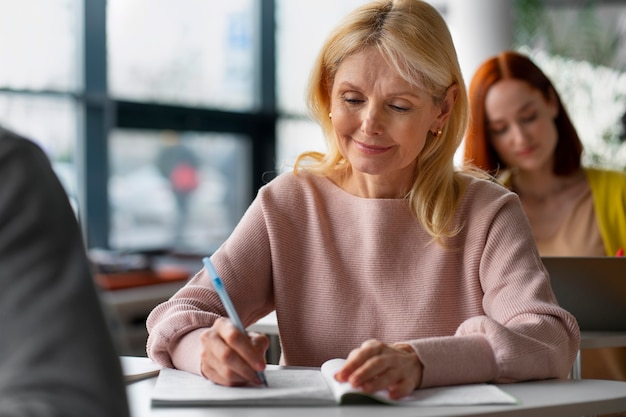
(596, 340)
(554, 398)
(269, 326)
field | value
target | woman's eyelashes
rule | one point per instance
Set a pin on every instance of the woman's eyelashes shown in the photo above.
(353, 101)
(357, 101)
(528, 118)
(400, 109)
(500, 130)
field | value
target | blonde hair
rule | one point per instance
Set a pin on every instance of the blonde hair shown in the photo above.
(415, 39)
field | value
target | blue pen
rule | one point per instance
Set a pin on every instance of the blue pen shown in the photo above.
(228, 305)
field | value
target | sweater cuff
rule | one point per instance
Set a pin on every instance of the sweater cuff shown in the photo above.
(187, 352)
(453, 360)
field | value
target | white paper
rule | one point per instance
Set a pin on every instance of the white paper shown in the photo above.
(308, 386)
(291, 386)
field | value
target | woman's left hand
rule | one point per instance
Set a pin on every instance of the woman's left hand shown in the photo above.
(378, 366)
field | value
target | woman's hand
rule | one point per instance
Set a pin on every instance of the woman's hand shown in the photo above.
(230, 357)
(378, 366)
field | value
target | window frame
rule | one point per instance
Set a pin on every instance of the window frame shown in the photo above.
(102, 113)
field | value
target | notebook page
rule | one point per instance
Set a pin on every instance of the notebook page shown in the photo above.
(293, 386)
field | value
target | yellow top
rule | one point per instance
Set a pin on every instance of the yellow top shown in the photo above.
(609, 197)
(608, 191)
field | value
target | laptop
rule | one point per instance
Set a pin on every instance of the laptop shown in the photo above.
(593, 289)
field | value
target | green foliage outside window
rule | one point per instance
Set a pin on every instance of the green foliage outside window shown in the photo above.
(578, 46)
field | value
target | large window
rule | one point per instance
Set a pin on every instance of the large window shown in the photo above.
(109, 87)
(190, 52)
(39, 78)
(158, 116)
(186, 185)
(39, 46)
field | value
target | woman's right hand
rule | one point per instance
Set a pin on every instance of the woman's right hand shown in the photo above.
(230, 357)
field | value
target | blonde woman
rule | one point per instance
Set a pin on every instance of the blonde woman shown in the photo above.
(378, 251)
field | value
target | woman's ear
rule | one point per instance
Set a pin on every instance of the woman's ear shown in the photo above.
(447, 104)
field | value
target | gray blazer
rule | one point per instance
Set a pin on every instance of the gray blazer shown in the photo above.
(57, 356)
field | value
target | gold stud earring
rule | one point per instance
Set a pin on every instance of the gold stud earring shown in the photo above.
(438, 133)
(330, 115)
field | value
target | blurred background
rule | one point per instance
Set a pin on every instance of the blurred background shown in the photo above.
(107, 86)
(162, 118)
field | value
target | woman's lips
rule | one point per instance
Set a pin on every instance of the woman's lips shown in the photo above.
(526, 152)
(370, 149)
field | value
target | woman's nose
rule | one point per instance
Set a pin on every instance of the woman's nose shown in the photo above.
(517, 134)
(372, 123)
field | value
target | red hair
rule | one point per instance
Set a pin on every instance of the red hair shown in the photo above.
(512, 65)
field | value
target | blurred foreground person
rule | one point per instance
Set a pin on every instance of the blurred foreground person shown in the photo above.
(57, 356)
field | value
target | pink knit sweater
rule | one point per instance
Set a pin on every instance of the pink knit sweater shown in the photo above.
(340, 269)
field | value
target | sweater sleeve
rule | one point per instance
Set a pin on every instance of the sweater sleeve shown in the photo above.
(174, 327)
(523, 334)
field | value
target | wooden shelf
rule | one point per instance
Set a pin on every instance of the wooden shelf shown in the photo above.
(131, 279)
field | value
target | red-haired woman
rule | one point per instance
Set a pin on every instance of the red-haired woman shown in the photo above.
(521, 133)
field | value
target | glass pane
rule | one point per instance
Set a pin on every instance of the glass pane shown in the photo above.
(296, 49)
(191, 52)
(589, 31)
(41, 52)
(51, 122)
(176, 190)
(295, 136)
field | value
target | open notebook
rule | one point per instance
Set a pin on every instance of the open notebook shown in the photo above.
(136, 368)
(593, 289)
(308, 386)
